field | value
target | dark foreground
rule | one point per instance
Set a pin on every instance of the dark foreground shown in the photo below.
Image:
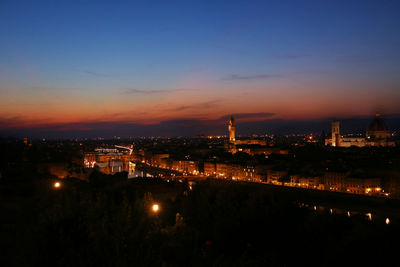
(109, 222)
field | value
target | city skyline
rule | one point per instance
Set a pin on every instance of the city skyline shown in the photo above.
(199, 132)
(95, 66)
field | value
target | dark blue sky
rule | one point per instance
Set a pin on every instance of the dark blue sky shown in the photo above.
(146, 62)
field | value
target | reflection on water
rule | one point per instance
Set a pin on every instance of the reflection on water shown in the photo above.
(352, 213)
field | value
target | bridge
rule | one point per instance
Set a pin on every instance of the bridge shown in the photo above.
(127, 148)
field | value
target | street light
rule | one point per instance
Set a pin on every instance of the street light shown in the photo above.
(155, 208)
(57, 185)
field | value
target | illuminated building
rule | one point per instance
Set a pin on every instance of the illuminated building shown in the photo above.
(313, 182)
(186, 166)
(273, 176)
(335, 133)
(334, 181)
(337, 140)
(229, 171)
(249, 146)
(377, 128)
(361, 186)
(234, 141)
(223, 170)
(232, 129)
(245, 172)
(157, 159)
(377, 134)
(131, 169)
(109, 161)
(209, 168)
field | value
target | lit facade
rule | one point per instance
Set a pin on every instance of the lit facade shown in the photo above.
(233, 145)
(109, 161)
(377, 134)
(232, 129)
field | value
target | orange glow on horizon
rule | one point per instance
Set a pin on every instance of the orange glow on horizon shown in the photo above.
(287, 102)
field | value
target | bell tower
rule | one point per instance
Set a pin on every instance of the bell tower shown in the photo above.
(336, 133)
(232, 128)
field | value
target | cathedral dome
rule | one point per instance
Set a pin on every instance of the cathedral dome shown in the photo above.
(377, 128)
(377, 124)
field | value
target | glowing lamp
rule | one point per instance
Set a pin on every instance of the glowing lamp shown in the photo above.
(155, 208)
(57, 184)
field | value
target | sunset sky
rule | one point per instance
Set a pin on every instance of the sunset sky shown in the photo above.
(67, 64)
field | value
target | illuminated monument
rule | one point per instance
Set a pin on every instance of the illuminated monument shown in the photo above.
(232, 129)
(335, 133)
(377, 130)
(233, 141)
(250, 146)
(377, 134)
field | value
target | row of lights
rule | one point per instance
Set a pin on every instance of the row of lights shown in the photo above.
(298, 184)
(368, 190)
(369, 215)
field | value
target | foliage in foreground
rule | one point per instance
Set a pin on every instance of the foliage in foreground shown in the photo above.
(109, 222)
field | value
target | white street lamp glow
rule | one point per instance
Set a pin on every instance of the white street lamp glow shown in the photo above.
(155, 207)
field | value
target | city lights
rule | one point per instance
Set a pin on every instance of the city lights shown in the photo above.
(175, 133)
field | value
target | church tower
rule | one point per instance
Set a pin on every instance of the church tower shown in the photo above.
(335, 133)
(232, 130)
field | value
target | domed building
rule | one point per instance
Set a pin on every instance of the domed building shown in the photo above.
(377, 129)
(377, 134)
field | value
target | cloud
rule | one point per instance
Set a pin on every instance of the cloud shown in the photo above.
(236, 77)
(21, 122)
(259, 115)
(202, 105)
(9, 122)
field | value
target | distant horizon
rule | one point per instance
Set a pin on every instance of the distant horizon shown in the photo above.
(247, 124)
